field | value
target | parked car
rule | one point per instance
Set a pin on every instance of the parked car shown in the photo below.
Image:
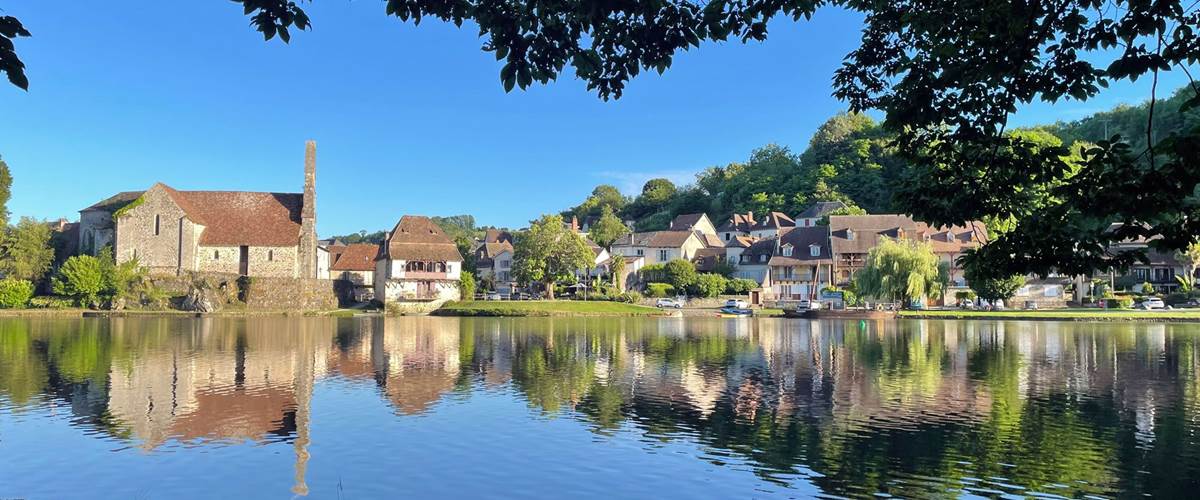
(808, 305)
(493, 296)
(737, 304)
(668, 303)
(1151, 303)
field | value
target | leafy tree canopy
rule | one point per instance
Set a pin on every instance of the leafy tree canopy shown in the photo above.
(901, 270)
(25, 250)
(549, 252)
(607, 229)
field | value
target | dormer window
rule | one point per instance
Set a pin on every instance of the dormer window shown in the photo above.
(787, 250)
(950, 237)
(814, 250)
(850, 234)
(762, 258)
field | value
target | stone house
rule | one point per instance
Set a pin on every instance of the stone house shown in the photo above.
(355, 264)
(494, 259)
(172, 232)
(659, 247)
(418, 266)
(812, 215)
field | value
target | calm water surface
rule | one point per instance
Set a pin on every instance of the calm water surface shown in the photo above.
(653, 408)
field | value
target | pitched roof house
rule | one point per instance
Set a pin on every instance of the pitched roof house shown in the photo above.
(817, 211)
(853, 236)
(417, 263)
(801, 264)
(355, 263)
(771, 225)
(171, 231)
(659, 246)
(736, 225)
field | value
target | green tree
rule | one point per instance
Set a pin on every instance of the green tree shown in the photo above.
(25, 250)
(607, 229)
(466, 285)
(603, 197)
(1190, 258)
(900, 270)
(549, 252)
(986, 285)
(680, 274)
(5, 175)
(708, 285)
(81, 278)
(15, 293)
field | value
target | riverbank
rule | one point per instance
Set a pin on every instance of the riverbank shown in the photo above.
(546, 308)
(145, 313)
(1190, 315)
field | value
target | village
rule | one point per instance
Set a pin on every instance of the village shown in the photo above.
(260, 251)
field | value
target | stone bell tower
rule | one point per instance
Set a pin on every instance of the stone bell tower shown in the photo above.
(308, 214)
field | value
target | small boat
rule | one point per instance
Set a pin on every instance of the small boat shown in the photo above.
(734, 312)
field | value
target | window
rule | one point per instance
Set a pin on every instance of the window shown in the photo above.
(270, 255)
(216, 255)
(641, 252)
(787, 250)
(727, 236)
(814, 250)
(157, 225)
(662, 255)
(950, 237)
(1141, 274)
(850, 234)
(762, 258)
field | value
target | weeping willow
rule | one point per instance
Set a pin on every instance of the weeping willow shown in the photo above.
(901, 270)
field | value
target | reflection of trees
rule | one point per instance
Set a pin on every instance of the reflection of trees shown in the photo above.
(910, 408)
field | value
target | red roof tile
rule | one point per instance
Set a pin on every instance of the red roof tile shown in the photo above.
(356, 257)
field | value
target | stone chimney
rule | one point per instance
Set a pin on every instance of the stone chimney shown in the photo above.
(308, 214)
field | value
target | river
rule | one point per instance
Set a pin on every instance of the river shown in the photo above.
(595, 407)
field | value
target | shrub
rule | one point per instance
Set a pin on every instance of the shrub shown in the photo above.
(466, 285)
(740, 286)
(15, 293)
(964, 295)
(82, 279)
(1147, 288)
(680, 273)
(659, 290)
(50, 302)
(631, 297)
(1175, 299)
(708, 285)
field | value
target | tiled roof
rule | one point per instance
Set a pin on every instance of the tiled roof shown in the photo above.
(738, 222)
(706, 259)
(236, 218)
(710, 240)
(668, 239)
(497, 236)
(115, 202)
(868, 228)
(740, 241)
(802, 239)
(685, 222)
(775, 220)
(753, 255)
(821, 209)
(416, 237)
(356, 257)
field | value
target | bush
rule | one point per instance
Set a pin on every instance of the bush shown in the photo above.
(82, 279)
(1122, 302)
(708, 285)
(50, 303)
(740, 286)
(15, 293)
(1147, 288)
(466, 285)
(681, 274)
(631, 297)
(964, 295)
(1175, 299)
(659, 290)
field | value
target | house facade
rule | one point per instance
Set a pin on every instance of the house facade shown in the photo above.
(801, 265)
(737, 225)
(355, 265)
(812, 215)
(659, 247)
(853, 236)
(418, 266)
(494, 259)
(172, 232)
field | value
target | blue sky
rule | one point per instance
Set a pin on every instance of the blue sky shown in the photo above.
(407, 119)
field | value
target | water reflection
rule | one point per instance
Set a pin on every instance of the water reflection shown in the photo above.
(848, 408)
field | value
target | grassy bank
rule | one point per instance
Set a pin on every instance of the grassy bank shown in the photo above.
(1061, 315)
(545, 308)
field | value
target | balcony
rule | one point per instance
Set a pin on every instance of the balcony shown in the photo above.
(424, 275)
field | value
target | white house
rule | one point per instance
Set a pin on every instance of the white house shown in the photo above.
(659, 246)
(418, 267)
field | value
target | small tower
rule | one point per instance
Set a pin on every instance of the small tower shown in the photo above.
(308, 214)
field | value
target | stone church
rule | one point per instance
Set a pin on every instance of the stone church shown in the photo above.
(172, 232)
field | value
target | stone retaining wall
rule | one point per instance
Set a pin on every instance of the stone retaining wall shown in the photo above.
(274, 294)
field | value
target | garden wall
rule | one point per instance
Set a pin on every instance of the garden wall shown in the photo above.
(274, 294)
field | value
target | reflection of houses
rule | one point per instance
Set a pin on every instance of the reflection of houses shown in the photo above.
(420, 361)
(355, 265)
(417, 264)
(173, 232)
